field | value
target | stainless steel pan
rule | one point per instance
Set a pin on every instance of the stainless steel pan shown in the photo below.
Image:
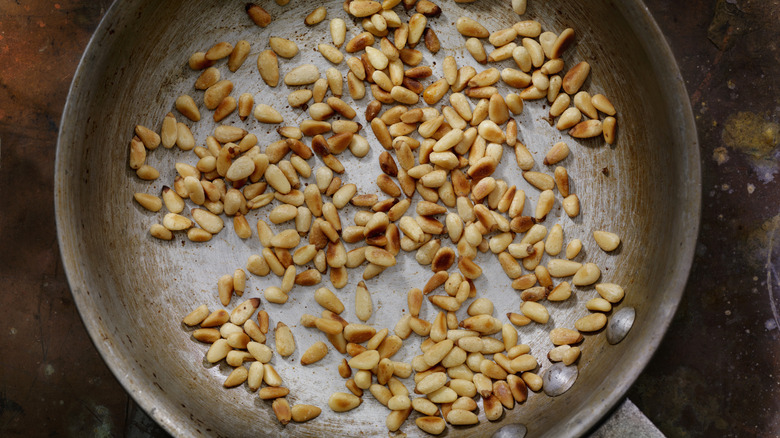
(132, 290)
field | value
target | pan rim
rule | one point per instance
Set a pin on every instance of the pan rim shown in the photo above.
(167, 418)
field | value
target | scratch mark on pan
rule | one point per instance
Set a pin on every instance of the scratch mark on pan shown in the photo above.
(771, 270)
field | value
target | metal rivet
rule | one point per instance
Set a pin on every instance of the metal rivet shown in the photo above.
(620, 324)
(559, 378)
(511, 431)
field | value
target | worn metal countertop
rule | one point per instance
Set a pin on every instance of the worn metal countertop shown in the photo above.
(717, 372)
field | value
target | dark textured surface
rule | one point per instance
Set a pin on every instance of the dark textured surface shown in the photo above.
(715, 374)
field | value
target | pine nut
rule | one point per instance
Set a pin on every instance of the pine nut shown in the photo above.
(417, 24)
(535, 311)
(610, 292)
(303, 413)
(557, 153)
(198, 61)
(460, 417)
(571, 205)
(470, 28)
(430, 424)
(258, 15)
(314, 353)
(563, 268)
(244, 311)
(561, 292)
(582, 101)
(275, 295)
(598, 305)
(591, 323)
(477, 50)
(588, 274)
(434, 92)
(316, 16)
(302, 75)
(565, 336)
(364, 8)
(255, 376)
(342, 401)
(363, 305)
(544, 205)
(607, 241)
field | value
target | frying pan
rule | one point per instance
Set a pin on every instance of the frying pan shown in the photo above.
(132, 291)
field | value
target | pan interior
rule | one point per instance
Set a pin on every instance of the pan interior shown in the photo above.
(133, 290)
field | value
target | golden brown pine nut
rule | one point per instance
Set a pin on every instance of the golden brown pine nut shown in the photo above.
(575, 77)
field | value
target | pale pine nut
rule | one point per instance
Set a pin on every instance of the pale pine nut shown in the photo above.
(539, 180)
(607, 241)
(598, 305)
(565, 336)
(561, 292)
(554, 243)
(571, 205)
(535, 311)
(588, 274)
(338, 31)
(582, 101)
(610, 292)
(591, 323)
(562, 268)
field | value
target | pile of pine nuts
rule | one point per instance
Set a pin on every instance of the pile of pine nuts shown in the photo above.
(450, 166)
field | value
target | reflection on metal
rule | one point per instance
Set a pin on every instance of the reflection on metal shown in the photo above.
(559, 378)
(620, 324)
(511, 431)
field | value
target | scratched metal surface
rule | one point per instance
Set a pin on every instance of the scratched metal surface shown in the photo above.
(132, 290)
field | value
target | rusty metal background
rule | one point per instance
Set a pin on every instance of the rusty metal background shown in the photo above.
(132, 290)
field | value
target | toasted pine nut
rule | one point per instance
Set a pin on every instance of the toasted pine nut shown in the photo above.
(363, 305)
(302, 75)
(434, 92)
(565, 336)
(557, 153)
(588, 274)
(607, 241)
(460, 417)
(341, 401)
(571, 205)
(316, 16)
(598, 305)
(285, 343)
(591, 323)
(198, 61)
(303, 413)
(562, 268)
(330, 53)
(561, 292)
(258, 15)
(470, 28)
(535, 311)
(315, 353)
(268, 66)
(477, 50)
(610, 292)
(275, 295)
(582, 101)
